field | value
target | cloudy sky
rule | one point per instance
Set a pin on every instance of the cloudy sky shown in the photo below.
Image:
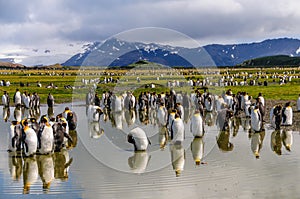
(62, 26)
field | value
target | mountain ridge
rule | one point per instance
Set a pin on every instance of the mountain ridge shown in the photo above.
(116, 52)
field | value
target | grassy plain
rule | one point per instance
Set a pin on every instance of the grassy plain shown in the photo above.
(128, 80)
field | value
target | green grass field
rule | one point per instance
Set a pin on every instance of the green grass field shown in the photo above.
(127, 80)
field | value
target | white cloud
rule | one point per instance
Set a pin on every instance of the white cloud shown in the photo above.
(41, 23)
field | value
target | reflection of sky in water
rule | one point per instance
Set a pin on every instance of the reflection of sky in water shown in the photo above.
(102, 170)
(113, 150)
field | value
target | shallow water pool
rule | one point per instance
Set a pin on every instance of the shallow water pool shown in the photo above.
(103, 165)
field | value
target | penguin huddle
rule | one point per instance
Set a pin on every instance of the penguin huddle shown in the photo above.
(31, 137)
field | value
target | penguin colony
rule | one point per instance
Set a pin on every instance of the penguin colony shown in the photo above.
(29, 136)
(168, 111)
(50, 134)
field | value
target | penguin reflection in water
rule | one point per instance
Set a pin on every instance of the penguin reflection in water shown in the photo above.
(46, 170)
(197, 148)
(139, 161)
(62, 163)
(15, 165)
(223, 141)
(287, 139)
(30, 173)
(276, 143)
(281, 137)
(177, 158)
(257, 142)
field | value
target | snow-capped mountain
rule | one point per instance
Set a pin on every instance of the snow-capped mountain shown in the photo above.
(115, 52)
(231, 55)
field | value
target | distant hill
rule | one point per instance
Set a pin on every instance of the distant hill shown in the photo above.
(11, 65)
(115, 52)
(277, 60)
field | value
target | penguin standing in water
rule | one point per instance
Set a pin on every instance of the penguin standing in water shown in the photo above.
(180, 110)
(18, 113)
(177, 130)
(30, 140)
(5, 99)
(139, 139)
(45, 137)
(72, 120)
(50, 100)
(224, 118)
(15, 137)
(275, 117)
(171, 117)
(209, 103)
(94, 113)
(197, 148)
(162, 115)
(287, 115)
(60, 132)
(117, 103)
(17, 97)
(256, 120)
(197, 125)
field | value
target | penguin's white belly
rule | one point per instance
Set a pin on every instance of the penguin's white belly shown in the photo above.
(255, 122)
(47, 140)
(118, 105)
(161, 116)
(178, 130)
(31, 141)
(197, 126)
(93, 115)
